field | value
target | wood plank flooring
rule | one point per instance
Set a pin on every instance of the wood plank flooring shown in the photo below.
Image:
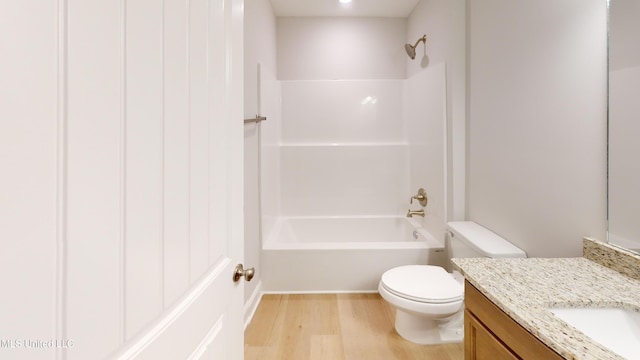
(333, 327)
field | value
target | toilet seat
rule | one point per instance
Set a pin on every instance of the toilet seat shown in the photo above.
(422, 283)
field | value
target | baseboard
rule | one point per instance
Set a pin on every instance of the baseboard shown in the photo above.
(252, 304)
(322, 292)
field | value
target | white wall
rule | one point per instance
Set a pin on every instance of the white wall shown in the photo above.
(537, 130)
(443, 21)
(624, 79)
(624, 48)
(260, 48)
(313, 48)
(624, 172)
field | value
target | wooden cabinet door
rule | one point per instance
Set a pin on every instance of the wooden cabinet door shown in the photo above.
(480, 344)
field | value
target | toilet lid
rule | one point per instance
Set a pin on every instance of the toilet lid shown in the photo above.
(423, 283)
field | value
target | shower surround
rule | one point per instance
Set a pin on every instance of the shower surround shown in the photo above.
(343, 150)
(345, 155)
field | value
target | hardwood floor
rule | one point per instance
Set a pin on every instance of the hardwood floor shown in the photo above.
(333, 327)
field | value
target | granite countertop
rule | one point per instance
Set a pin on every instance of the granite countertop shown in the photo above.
(525, 288)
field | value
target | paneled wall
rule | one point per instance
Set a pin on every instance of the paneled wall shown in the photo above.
(113, 150)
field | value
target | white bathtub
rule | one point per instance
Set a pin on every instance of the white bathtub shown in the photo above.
(343, 254)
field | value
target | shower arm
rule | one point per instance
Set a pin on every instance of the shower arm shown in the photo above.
(423, 39)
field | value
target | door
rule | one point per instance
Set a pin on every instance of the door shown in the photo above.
(121, 179)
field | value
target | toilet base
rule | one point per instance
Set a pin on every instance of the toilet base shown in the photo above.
(428, 331)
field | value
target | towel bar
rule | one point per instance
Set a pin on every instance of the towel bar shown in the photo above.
(256, 119)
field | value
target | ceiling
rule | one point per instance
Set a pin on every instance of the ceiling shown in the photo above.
(372, 8)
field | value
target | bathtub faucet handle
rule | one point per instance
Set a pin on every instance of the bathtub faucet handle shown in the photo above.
(421, 196)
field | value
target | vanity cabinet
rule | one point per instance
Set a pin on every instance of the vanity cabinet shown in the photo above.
(490, 334)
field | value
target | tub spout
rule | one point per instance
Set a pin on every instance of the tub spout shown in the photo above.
(410, 213)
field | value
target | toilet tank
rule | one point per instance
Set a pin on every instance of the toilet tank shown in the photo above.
(468, 239)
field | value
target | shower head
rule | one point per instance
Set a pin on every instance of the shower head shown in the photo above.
(411, 49)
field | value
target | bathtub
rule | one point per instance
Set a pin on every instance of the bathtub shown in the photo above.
(343, 254)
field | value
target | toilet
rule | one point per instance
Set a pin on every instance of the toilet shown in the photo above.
(429, 301)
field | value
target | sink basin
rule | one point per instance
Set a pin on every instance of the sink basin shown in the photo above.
(614, 328)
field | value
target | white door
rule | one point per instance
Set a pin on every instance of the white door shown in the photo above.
(121, 179)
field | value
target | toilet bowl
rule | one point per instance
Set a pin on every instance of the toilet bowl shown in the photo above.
(429, 301)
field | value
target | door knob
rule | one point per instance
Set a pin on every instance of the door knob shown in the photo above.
(240, 271)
